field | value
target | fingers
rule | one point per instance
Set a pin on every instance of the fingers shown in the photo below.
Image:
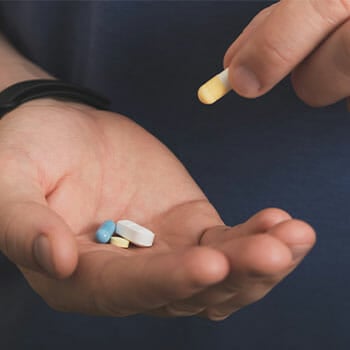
(257, 263)
(250, 259)
(258, 223)
(153, 281)
(324, 78)
(295, 234)
(265, 220)
(249, 256)
(252, 284)
(32, 235)
(285, 38)
(246, 34)
(192, 280)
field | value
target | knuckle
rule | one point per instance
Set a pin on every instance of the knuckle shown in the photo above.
(271, 216)
(231, 289)
(277, 55)
(216, 315)
(177, 309)
(331, 11)
(261, 15)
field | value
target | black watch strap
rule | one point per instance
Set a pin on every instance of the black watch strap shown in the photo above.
(16, 94)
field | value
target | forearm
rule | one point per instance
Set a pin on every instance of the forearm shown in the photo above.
(15, 68)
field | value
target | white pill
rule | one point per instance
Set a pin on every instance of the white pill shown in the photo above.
(135, 233)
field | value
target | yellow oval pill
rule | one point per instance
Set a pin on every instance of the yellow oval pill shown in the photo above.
(120, 242)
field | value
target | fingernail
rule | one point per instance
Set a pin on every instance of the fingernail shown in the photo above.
(299, 251)
(245, 82)
(42, 253)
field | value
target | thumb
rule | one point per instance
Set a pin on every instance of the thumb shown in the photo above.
(31, 234)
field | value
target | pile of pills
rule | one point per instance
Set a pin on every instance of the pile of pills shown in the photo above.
(127, 231)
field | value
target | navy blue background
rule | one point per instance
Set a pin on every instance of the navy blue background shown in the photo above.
(150, 58)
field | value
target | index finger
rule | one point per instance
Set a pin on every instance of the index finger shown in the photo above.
(290, 33)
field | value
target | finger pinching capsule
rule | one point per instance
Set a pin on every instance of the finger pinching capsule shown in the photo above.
(105, 231)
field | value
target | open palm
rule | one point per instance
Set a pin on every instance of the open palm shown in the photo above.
(68, 167)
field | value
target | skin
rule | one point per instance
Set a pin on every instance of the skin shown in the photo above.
(309, 39)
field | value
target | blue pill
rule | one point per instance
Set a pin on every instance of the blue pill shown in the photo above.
(105, 231)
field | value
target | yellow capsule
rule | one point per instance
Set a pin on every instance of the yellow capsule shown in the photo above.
(120, 242)
(215, 88)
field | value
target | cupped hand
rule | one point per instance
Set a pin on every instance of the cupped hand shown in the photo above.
(310, 38)
(67, 167)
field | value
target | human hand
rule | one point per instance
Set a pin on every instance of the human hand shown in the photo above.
(67, 167)
(310, 38)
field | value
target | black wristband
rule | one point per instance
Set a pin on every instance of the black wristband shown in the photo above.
(16, 94)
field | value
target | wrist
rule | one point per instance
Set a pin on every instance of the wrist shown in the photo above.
(22, 81)
(15, 68)
(20, 70)
(28, 90)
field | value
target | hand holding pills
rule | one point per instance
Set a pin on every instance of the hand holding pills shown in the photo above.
(128, 230)
(68, 167)
(308, 38)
